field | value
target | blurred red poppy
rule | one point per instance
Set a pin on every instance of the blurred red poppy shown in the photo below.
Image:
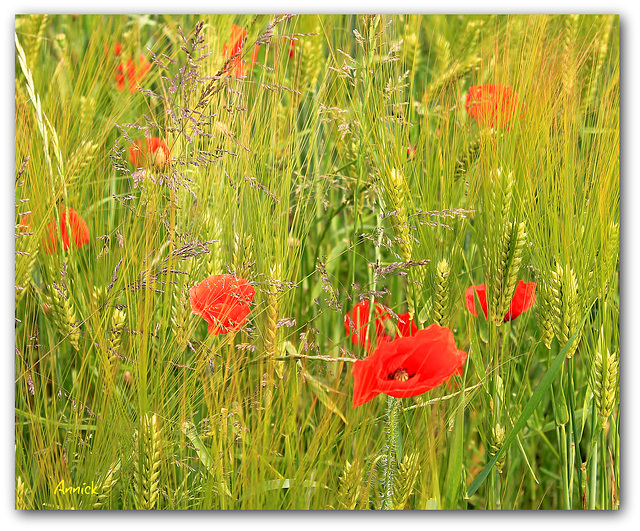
(523, 299)
(223, 301)
(408, 366)
(384, 324)
(235, 45)
(491, 105)
(129, 73)
(77, 225)
(154, 153)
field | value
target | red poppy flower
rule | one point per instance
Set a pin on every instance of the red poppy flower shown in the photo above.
(77, 225)
(523, 299)
(292, 48)
(490, 105)
(130, 74)
(411, 152)
(233, 47)
(359, 318)
(154, 152)
(223, 301)
(408, 366)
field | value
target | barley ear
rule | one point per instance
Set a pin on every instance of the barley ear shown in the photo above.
(442, 291)
(349, 488)
(107, 486)
(407, 475)
(22, 496)
(603, 378)
(147, 470)
(510, 260)
(564, 300)
(118, 319)
(243, 258)
(271, 324)
(498, 436)
(181, 308)
(311, 60)
(65, 316)
(607, 25)
(396, 187)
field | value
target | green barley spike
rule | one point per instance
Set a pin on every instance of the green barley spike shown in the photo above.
(311, 59)
(107, 487)
(467, 158)
(498, 436)
(243, 255)
(564, 303)
(407, 475)
(34, 36)
(22, 496)
(349, 488)
(118, 320)
(181, 308)
(147, 468)
(396, 186)
(441, 304)
(65, 317)
(569, 69)
(511, 264)
(603, 379)
(602, 54)
(412, 51)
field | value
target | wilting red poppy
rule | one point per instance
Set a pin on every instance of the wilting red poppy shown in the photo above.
(411, 152)
(408, 366)
(154, 153)
(223, 301)
(235, 46)
(384, 324)
(77, 225)
(523, 299)
(492, 105)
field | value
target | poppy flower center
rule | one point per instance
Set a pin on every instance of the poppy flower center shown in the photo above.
(400, 375)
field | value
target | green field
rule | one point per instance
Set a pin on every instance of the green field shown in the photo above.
(246, 250)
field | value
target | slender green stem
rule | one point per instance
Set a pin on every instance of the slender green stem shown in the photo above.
(576, 437)
(391, 464)
(604, 499)
(565, 466)
(593, 456)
